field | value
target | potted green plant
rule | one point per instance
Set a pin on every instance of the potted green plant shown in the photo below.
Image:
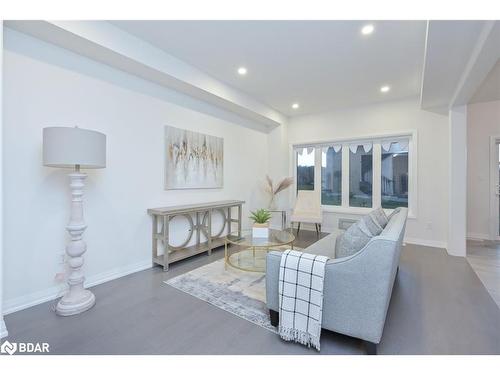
(260, 219)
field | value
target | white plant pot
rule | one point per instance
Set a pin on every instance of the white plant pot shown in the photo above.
(260, 230)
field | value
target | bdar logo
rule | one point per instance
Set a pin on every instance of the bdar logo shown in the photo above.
(24, 347)
(8, 347)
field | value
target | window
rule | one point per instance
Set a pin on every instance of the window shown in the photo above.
(331, 175)
(360, 175)
(394, 172)
(305, 168)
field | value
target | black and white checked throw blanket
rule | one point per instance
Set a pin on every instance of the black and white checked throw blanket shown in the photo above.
(301, 297)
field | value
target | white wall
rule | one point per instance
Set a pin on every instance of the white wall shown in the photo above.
(278, 162)
(457, 196)
(430, 226)
(45, 86)
(3, 329)
(483, 121)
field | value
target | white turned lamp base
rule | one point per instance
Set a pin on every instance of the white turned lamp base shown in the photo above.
(77, 299)
(68, 306)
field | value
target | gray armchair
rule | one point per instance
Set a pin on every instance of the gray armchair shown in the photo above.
(357, 288)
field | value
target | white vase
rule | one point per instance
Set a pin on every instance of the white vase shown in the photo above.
(272, 203)
(260, 230)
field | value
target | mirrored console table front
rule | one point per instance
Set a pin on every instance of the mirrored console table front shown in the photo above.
(199, 218)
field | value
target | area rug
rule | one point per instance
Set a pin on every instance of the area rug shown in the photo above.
(241, 293)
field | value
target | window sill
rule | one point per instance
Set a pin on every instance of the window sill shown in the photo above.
(358, 211)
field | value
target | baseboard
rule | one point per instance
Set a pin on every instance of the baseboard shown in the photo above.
(429, 243)
(23, 302)
(308, 226)
(117, 273)
(3, 329)
(478, 236)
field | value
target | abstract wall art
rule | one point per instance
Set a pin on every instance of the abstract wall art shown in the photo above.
(193, 160)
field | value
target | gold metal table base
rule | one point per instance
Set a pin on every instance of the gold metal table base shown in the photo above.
(248, 258)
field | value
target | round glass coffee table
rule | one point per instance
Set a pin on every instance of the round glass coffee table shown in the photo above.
(249, 254)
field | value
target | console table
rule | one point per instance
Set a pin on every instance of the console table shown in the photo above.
(202, 224)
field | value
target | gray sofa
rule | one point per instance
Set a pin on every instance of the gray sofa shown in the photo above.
(357, 288)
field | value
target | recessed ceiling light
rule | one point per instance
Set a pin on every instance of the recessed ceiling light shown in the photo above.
(385, 89)
(367, 29)
(295, 105)
(242, 70)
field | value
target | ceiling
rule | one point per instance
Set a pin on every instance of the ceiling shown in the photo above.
(322, 65)
(490, 88)
(449, 47)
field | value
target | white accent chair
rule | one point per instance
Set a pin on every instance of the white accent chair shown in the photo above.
(307, 209)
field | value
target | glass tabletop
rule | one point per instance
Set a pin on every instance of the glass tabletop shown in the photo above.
(275, 238)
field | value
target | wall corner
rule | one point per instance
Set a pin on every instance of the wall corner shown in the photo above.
(457, 198)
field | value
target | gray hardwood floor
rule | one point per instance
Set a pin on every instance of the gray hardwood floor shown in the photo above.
(438, 306)
(484, 257)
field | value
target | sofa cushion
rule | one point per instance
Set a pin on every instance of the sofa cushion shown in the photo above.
(325, 246)
(379, 216)
(353, 240)
(372, 225)
(394, 212)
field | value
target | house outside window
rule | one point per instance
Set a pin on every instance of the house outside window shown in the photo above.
(305, 168)
(353, 175)
(360, 175)
(331, 175)
(394, 172)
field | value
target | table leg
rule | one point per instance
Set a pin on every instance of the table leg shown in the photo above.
(166, 220)
(239, 220)
(155, 237)
(225, 255)
(197, 228)
(209, 232)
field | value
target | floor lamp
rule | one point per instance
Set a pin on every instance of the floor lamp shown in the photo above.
(75, 148)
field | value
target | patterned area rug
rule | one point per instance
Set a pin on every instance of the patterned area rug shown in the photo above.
(239, 292)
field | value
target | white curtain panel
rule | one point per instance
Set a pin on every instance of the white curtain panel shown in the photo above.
(386, 145)
(403, 144)
(336, 148)
(301, 150)
(367, 146)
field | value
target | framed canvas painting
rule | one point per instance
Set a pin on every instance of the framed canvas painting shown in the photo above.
(193, 160)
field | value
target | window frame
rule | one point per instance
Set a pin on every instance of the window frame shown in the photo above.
(376, 139)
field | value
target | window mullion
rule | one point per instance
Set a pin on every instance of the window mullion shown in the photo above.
(345, 175)
(377, 175)
(317, 171)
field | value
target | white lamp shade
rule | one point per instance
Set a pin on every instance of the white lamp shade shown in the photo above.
(67, 147)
